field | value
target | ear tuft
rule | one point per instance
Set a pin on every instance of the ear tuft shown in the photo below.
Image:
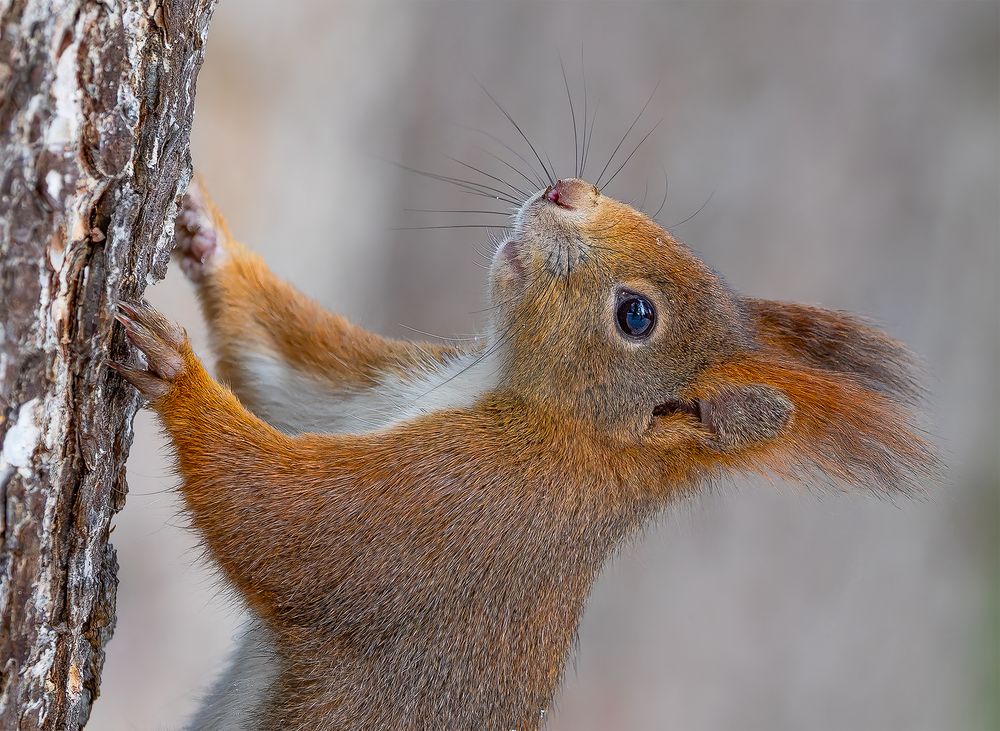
(838, 342)
(792, 420)
(741, 416)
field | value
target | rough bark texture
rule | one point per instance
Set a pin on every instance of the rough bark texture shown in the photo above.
(96, 103)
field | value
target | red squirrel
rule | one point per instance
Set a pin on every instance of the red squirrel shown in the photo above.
(415, 528)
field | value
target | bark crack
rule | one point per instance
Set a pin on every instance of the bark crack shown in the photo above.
(95, 116)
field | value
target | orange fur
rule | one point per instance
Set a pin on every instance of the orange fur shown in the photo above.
(431, 574)
(280, 319)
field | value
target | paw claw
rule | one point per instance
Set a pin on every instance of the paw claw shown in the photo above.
(149, 385)
(160, 341)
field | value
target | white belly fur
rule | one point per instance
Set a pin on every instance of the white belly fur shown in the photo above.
(235, 701)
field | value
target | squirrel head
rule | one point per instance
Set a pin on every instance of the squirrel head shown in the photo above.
(604, 318)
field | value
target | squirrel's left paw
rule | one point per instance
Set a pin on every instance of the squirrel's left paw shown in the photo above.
(161, 341)
(198, 240)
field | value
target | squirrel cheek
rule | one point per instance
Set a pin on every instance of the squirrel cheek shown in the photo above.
(674, 431)
(509, 274)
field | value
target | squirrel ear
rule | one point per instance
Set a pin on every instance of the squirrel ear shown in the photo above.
(774, 414)
(744, 415)
(837, 342)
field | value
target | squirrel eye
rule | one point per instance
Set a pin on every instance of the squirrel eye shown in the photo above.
(636, 316)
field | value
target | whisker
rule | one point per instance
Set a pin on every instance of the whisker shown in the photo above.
(499, 159)
(454, 210)
(583, 72)
(572, 113)
(518, 128)
(666, 188)
(479, 359)
(586, 144)
(469, 185)
(627, 132)
(514, 204)
(700, 208)
(492, 177)
(634, 150)
(440, 337)
(492, 307)
(457, 225)
(484, 186)
(531, 168)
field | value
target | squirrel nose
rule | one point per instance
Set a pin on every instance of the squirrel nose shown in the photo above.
(571, 193)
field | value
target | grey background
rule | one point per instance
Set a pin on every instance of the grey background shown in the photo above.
(852, 152)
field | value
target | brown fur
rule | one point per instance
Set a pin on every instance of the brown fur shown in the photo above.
(432, 574)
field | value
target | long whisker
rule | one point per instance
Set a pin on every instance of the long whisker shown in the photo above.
(634, 150)
(483, 356)
(453, 210)
(700, 209)
(514, 204)
(491, 177)
(586, 144)
(441, 337)
(583, 72)
(624, 136)
(532, 183)
(493, 307)
(483, 186)
(519, 130)
(666, 188)
(531, 168)
(469, 185)
(435, 228)
(572, 113)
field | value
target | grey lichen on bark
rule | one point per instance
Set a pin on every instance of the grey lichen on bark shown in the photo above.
(96, 104)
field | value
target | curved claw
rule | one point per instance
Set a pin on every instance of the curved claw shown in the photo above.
(162, 343)
(149, 385)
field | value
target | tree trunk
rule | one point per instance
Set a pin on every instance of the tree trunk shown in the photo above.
(95, 118)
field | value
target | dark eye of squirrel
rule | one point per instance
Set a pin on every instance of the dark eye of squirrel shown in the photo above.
(636, 316)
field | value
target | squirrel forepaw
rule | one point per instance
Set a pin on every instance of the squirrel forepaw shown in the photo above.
(198, 239)
(161, 341)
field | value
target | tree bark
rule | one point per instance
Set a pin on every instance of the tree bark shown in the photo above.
(95, 117)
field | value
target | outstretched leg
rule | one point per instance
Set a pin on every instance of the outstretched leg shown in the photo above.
(290, 519)
(232, 464)
(290, 361)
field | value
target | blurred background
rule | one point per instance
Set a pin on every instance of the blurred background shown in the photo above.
(850, 150)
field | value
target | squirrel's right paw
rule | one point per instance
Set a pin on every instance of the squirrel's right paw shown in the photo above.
(161, 341)
(198, 237)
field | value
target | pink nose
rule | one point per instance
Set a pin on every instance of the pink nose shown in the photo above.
(570, 193)
(554, 193)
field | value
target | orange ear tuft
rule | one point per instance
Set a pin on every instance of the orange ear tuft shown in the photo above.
(838, 342)
(839, 425)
